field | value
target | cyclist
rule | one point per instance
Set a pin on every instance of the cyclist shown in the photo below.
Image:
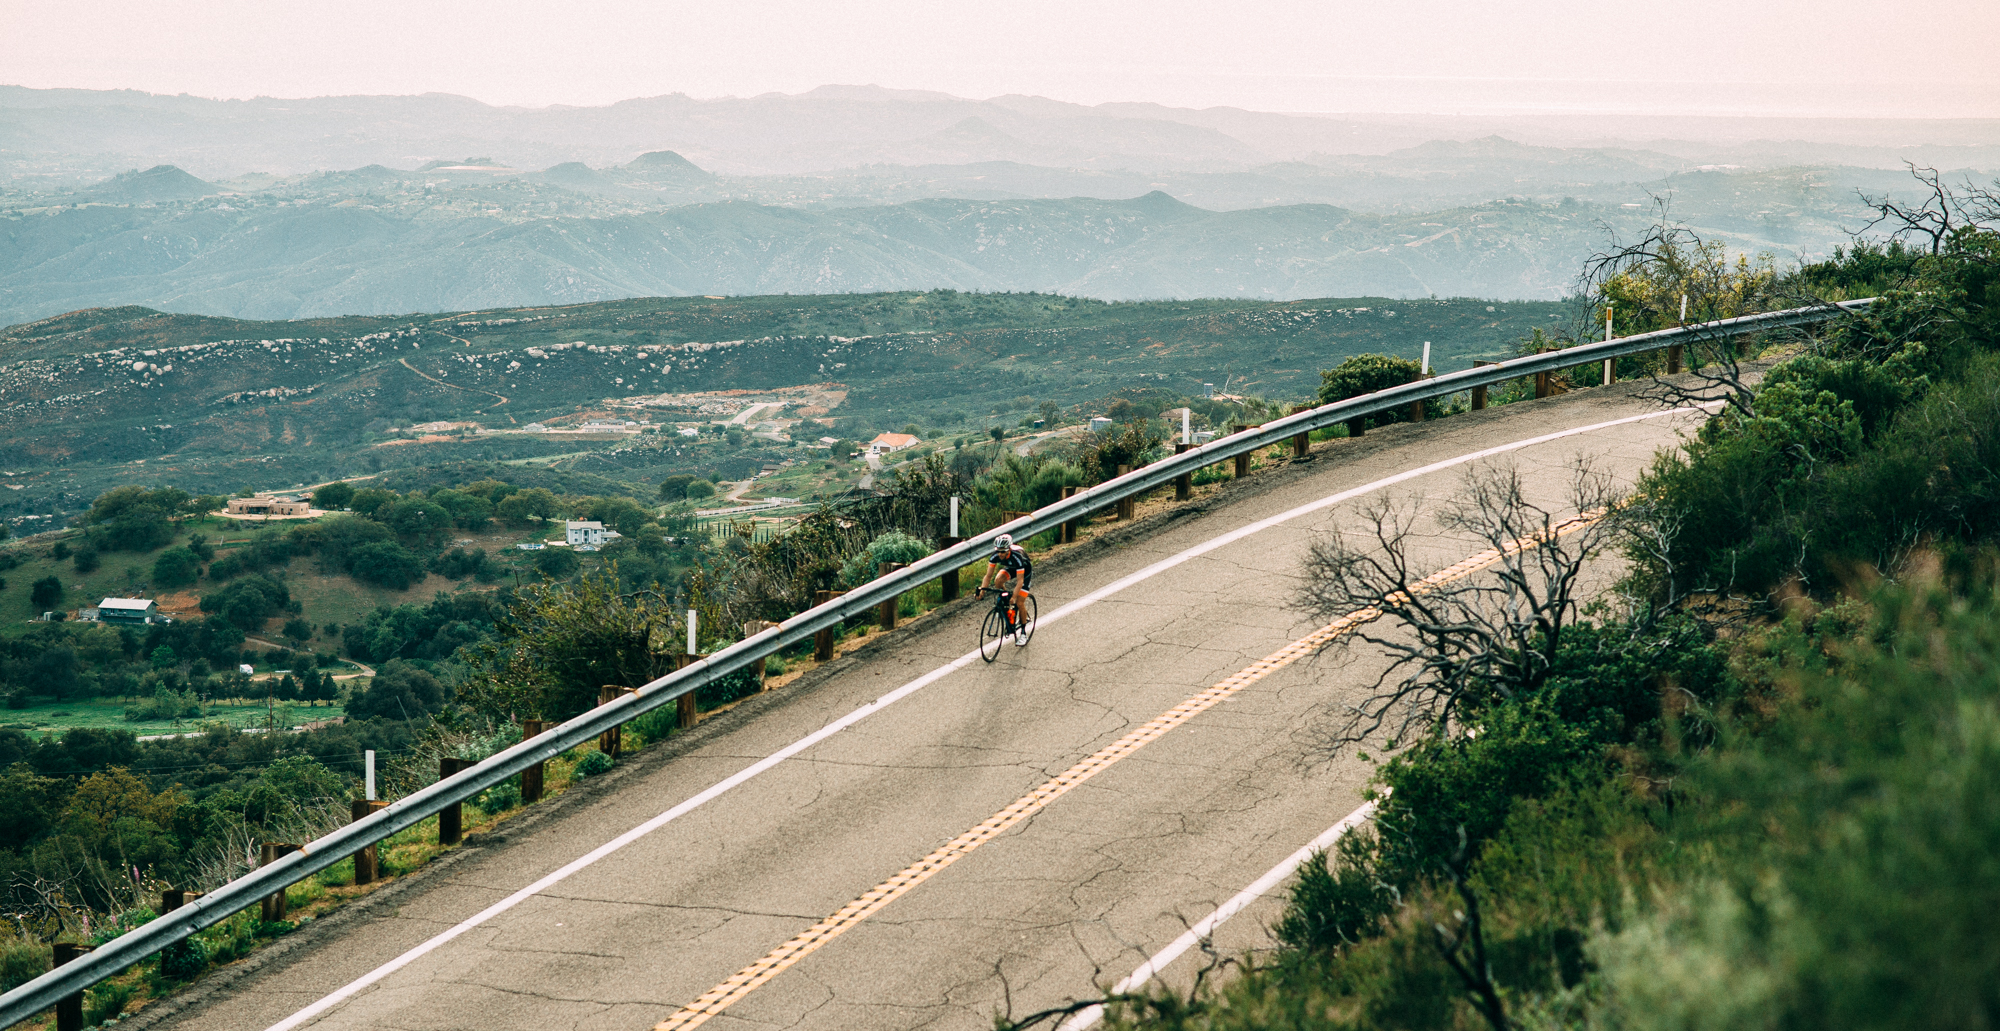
(1010, 566)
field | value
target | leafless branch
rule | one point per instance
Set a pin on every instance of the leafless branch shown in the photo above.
(1455, 637)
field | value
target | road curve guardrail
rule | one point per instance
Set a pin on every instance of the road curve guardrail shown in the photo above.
(119, 953)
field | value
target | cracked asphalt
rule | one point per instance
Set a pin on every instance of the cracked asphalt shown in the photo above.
(1070, 899)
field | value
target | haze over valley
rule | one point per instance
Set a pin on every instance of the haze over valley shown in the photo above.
(371, 205)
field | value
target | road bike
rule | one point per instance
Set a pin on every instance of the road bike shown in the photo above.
(993, 629)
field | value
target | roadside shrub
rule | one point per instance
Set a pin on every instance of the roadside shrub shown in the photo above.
(106, 1001)
(21, 962)
(1368, 373)
(500, 798)
(893, 546)
(592, 764)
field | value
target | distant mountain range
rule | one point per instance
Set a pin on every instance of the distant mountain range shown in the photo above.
(372, 205)
(836, 127)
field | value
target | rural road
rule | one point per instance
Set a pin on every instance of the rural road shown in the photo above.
(1047, 908)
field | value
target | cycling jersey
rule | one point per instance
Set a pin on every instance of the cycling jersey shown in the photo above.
(1015, 561)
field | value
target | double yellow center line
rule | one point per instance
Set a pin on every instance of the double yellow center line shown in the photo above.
(748, 979)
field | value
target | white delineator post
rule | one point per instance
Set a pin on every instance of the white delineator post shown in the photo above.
(692, 636)
(1425, 369)
(1684, 309)
(1610, 364)
(954, 517)
(368, 763)
(1187, 432)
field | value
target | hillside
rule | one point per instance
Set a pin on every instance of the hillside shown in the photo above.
(108, 396)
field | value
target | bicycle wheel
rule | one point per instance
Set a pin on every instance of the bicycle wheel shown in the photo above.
(1026, 615)
(991, 633)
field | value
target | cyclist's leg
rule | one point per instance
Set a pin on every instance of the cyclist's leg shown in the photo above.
(1021, 588)
(1004, 584)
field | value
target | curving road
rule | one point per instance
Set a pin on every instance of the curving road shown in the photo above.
(968, 838)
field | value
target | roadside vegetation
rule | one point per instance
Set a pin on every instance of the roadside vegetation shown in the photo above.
(1753, 787)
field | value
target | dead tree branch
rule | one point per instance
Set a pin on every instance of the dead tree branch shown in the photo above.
(1459, 637)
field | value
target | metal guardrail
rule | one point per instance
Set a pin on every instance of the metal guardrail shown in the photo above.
(207, 910)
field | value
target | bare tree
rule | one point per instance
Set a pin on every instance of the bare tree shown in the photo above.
(1487, 627)
(1935, 220)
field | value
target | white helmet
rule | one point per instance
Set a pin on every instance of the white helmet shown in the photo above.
(1005, 540)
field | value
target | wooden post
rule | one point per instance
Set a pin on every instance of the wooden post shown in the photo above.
(1069, 528)
(687, 708)
(367, 861)
(1243, 460)
(612, 742)
(823, 640)
(1301, 442)
(1541, 385)
(1357, 426)
(69, 1008)
(1184, 483)
(272, 907)
(752, 629)
(948, 584)
(1674, 360)
(451, 819)
(531, 778)
(1128, 502)
(885, 613)
(1479, 393)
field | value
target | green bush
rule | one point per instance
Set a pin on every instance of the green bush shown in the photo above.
(176, 567)
(21, 962)
(592, 764)
(106, 1001)
(893, 546)
(1368, 373)
(499, 798)
(184, 960)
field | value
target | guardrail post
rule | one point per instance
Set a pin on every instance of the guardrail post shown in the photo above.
(1243, 460)
(948, 584)
(612, 742)
(687, 710)
(1301, 442)
(531, 778)
(1127, 503)
(1069, 528)
(1541, 385)
(752, 629)
(1610, 371)
(69, 1009)
(885, 613)
(272, 908)
(1479, 392)
(823, 640)
(367, 861)
(1184, 483)
(1674, 360)
(451, 819)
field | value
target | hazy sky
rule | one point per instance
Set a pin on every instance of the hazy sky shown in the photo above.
(1824, 57)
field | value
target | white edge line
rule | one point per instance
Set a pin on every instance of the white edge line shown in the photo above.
(737, 779)
(1201, 931)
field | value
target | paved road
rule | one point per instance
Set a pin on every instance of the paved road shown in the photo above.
(1076, 894)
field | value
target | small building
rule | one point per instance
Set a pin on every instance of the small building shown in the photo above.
(592, 533)
(534, 427)
(1099, 424)
(127, 610)
(270, 505)
(689, 431)
(889, 443)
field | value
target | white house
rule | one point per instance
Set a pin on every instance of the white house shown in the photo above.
(891, 442)
(590, 533)
(1099, 424)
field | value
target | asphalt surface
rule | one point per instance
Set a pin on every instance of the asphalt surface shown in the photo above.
(1059, 904)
